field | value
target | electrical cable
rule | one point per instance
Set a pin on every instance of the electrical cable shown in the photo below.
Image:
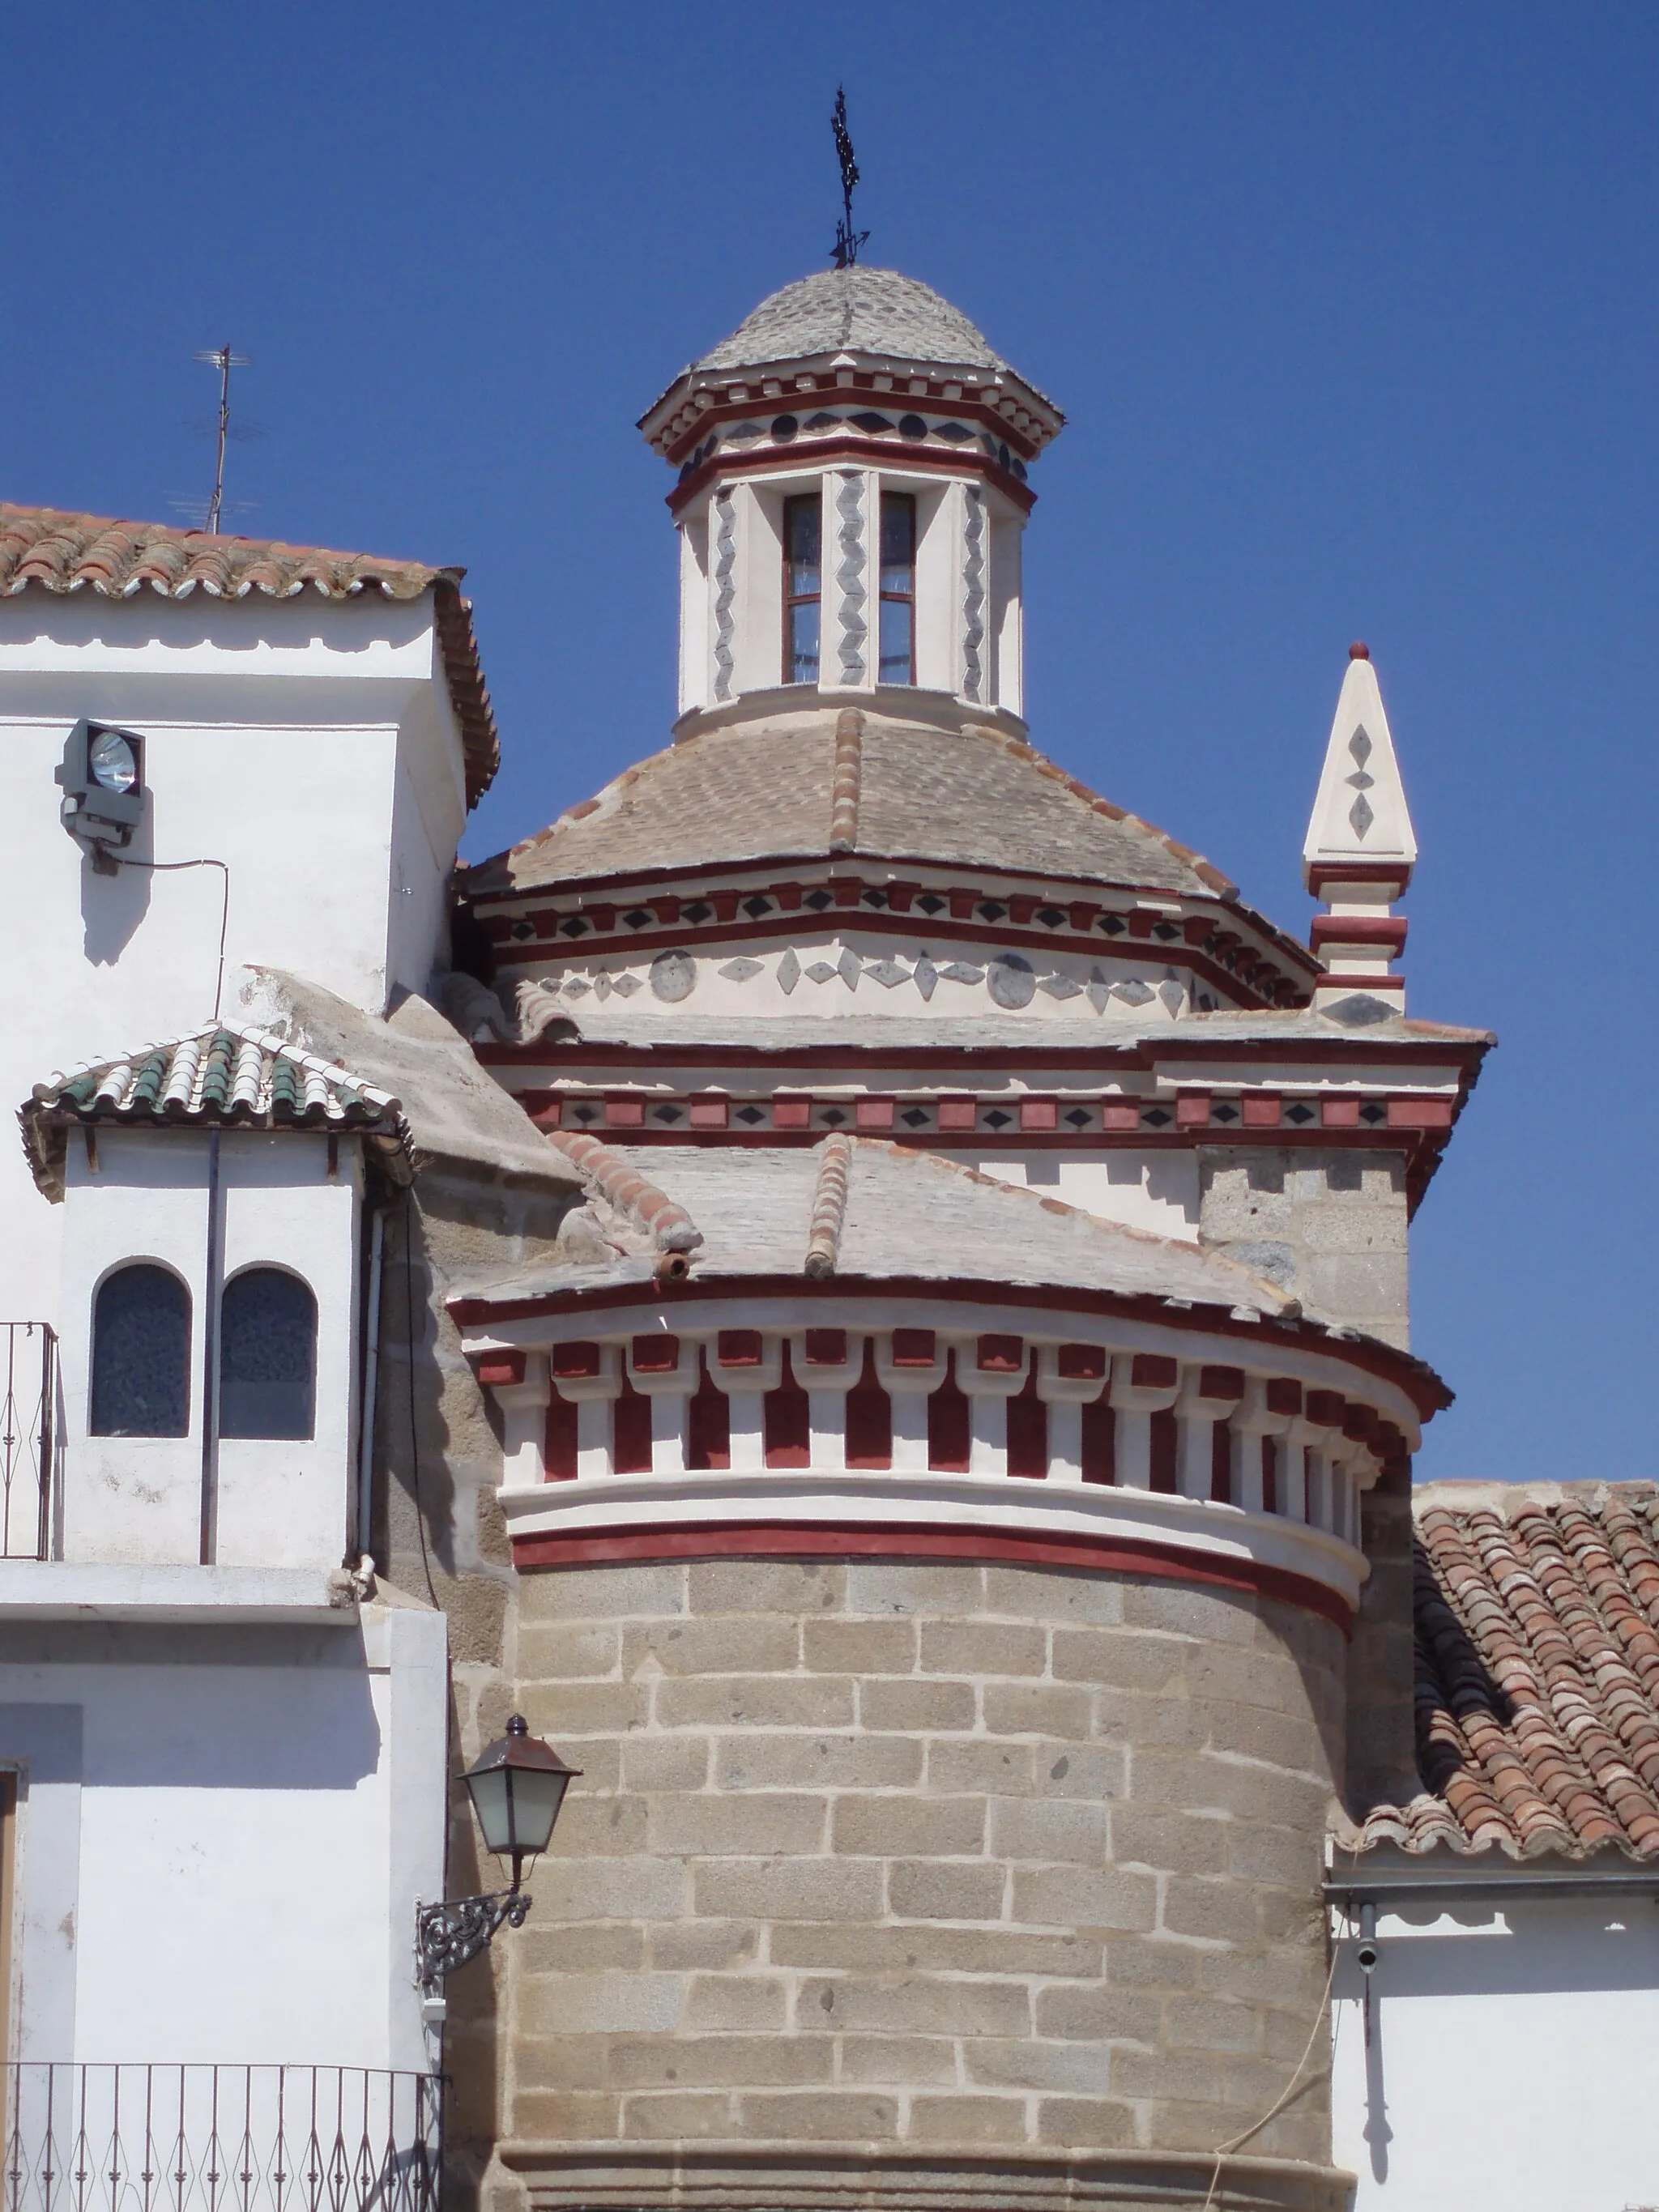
(1224, 2151)
(171, 867)
(414, 1433)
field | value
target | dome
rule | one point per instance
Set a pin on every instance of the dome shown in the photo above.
(857, 310)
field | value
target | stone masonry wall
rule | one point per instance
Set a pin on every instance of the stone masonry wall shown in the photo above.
(1332, 1231)
(935, 1857)
(439, 1534)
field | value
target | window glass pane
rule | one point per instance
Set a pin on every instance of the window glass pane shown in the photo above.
(898, 617)
(801, 657)
(803, 530)
(141, 1354)
(898, 542)
(267, 1355)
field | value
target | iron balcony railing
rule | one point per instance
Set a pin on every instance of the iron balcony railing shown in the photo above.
(28, 1439)
(146, 2138)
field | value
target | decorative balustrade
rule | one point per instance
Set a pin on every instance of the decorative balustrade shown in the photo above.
(147, 2138)
(29, 1431)
(921, 1401)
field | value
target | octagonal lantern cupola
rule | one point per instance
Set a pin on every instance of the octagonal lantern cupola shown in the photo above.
(853, 486)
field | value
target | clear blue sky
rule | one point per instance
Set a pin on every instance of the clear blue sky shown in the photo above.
(1353, 314)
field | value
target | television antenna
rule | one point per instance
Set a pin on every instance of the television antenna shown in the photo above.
(224, 360)
(847, 240)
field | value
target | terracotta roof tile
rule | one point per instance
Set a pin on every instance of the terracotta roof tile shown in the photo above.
(978, 799)
(225, 1075)
(62, 553)
(1537, 1694)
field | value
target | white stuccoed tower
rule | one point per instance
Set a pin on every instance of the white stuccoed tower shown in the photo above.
(1360, 848)
(853, 487)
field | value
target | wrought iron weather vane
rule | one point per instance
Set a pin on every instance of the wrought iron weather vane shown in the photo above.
(847, 240)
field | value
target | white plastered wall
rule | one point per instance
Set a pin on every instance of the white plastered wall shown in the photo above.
(757, 610)
(221, 1837)
(1157, 1191)
(1006, 625)
(1510, 2060)
(137, 1499)
(309, 746)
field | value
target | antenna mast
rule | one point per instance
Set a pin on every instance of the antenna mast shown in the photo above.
(222, 359)
(847, 240)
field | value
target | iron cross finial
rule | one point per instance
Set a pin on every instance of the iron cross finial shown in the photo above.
(847, 240)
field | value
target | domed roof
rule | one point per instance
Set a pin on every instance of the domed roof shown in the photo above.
(857, 310)
(980, 800)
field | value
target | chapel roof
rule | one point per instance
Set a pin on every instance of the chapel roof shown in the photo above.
(907, 1217)
(1537, 1672)
(978, 799)
(61, 552)
(222, 1076)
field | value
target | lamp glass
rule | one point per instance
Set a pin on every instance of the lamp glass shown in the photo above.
(112, 762)
(492, 1801)
(537, 1796)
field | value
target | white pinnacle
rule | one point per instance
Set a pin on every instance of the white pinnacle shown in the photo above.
(1360, 812)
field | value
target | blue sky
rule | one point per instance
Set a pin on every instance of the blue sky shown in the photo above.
(1353, 311)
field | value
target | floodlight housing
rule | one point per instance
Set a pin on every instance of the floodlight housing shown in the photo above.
(102, 778)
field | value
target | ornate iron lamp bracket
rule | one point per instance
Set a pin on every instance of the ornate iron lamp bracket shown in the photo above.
(446, 1936)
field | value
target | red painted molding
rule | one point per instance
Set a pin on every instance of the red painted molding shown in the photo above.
(968, 407)
(1321, 872)
(893, 452)
(708, 937)
(1426, 1389)
(1144, 1054)
(760, 1539)
(1387, 929)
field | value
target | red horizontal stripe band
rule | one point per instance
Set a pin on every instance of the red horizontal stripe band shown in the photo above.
(1006, 1547)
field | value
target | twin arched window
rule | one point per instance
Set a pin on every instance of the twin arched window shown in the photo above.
(141, 1355)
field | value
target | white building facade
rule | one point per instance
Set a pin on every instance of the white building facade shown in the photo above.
(223, 1743)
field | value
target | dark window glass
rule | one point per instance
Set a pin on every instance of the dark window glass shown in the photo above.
(141, 1354)
(898, 588)
(267, 1355)
(803, 585)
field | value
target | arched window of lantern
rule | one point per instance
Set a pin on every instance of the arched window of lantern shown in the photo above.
(267, 1355)
(141, 1353)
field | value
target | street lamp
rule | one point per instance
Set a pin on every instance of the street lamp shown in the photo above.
(517, 1789)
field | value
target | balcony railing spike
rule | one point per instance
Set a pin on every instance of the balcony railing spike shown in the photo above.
(248, 2139)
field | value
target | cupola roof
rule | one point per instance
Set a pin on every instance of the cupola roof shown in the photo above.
(858, 318)
(855, 310)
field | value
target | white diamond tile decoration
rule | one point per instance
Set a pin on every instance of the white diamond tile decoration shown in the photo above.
(1360, 816)
(959, 971)
(849, 968)
(924, 976)
(625, 986)
(788, 972)
(1060, 986)
(1134, 992)
(822, 972)
(888, 973)
(740, 971)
